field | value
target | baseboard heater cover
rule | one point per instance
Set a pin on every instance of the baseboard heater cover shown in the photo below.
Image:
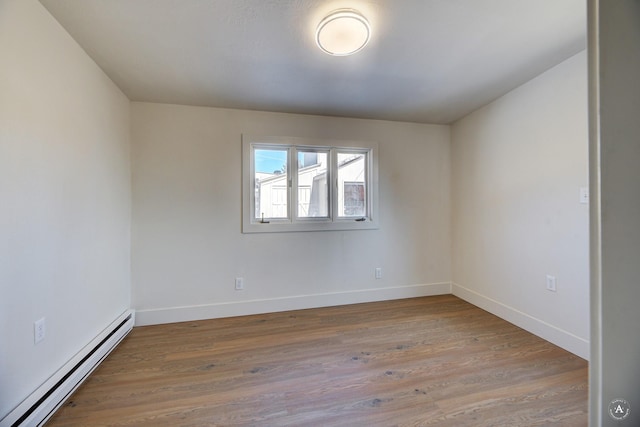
(36, 409)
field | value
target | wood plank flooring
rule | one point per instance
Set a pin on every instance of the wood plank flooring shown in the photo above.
(434, 361)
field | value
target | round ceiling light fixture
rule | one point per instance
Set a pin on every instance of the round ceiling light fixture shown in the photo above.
(343, 32)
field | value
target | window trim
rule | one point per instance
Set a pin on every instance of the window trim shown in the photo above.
(294, 223)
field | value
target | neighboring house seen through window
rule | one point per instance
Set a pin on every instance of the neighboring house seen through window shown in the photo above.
(292, 184)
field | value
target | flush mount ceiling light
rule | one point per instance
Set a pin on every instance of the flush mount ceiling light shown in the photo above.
(343, 32)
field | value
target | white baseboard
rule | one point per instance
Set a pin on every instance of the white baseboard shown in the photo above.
(553, 334)
(557, 336)
(243, 308)
(40, 405)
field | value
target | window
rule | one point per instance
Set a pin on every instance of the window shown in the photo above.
(271, 180)
(313, 195)
(293, 184)
(352, 184)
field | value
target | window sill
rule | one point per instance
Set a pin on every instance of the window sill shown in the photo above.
(275, 226)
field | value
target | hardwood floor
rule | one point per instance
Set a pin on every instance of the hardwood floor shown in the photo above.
(434, 361)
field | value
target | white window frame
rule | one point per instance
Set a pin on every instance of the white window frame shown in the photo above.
(333, 221)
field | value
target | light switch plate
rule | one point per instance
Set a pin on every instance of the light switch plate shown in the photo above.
(584, 195)
(551, 283)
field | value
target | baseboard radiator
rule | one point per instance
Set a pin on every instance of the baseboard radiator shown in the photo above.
(36, 409)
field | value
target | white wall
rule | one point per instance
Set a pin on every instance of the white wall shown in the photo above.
(517, 166)
(187, 244)
(615, 233)
(64, 198)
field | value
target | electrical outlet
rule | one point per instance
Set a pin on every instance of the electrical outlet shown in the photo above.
(378, 273)
(239, 283)
(551, 283)
(39, 331)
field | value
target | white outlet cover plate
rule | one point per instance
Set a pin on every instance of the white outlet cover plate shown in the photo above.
(39, 330)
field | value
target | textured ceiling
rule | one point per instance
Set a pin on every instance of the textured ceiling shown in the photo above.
(429, 61)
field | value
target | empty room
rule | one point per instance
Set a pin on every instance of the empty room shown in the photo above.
(314, 213)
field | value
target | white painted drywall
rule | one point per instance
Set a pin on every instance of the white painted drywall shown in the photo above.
(187, 244)
(517, 167)
(615, 164)
(64, 198)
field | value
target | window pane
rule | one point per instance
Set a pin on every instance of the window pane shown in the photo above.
(313, 197)
(270, 168)
(352, 201)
